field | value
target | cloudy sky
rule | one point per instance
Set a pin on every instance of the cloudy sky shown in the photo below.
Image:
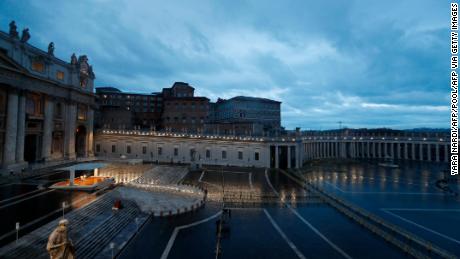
(365, 63)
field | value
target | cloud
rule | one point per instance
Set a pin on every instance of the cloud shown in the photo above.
(369, 65)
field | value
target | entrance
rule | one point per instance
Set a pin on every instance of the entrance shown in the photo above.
(30, 148)
(80, 141)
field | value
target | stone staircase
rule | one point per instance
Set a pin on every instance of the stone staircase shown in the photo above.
(91, 230)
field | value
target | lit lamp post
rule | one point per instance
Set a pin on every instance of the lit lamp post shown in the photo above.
(63, 208)
(112, 246)
(17, 232)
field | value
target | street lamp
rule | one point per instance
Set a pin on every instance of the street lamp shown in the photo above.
(112, 246)
(63, 207)
(17, 232)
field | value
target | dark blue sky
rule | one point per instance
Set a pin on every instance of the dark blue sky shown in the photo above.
(366, 63)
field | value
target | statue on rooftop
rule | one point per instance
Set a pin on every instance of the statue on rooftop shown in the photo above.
(51, 48)
(25, 35)
(73, 59)
(83, 66)
(13, 30)
(59, 245)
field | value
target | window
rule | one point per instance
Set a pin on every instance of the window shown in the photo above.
(208, 153)
(38, 66)
(114, 149)
(128, 149)
(224, 154)
(98, 148)
(60, 75)
(58, 110)
(144, 150)
(176, 151)
(240, 155)
(160, 151)
(256, 156)
(81, 115)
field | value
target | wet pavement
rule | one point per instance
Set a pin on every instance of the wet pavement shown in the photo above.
(406, 196)
(273, 216)
(31, 204)
(291, 227)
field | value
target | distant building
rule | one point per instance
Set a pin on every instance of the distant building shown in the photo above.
(125, 110)
(182, 111)
(243, 115)
(46, 104)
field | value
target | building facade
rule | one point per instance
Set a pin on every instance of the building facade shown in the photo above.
(182, 111)
(243, 116)
(46, 104)
(125, 110)
(270, 152)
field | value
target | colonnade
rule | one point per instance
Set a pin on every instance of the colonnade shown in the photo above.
(409, 150)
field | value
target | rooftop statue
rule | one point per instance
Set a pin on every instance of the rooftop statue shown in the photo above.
(59, 245)
(84, 70)
(51, 49)
(73, 60)
(25, 35)
(13, 30)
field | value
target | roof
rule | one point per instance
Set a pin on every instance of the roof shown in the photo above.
(181, 84)
(107, 89)
(252, 99)
(196, 98)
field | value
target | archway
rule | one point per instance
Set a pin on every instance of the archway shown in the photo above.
(80, 141)
(30, 150)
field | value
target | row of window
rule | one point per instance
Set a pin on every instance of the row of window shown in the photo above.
(184, 120)
(133, 97)
(40, 67)
(176, 152)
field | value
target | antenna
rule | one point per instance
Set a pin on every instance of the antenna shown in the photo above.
(340, 124)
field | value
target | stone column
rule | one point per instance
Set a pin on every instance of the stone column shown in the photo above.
(446, 153)
(289, 156)
(276, 157)
(398, 152)
(9, 152)
(90, 141)
(337, 149)
(379, 147)
(413, 151)
(368, 149)
(437, 152)
(21, 129)
(374, 150)
(70, 128)
(421, 151)
(48, 127)
(385, 151)
(428, 147)
(392, 153)
(406, 151)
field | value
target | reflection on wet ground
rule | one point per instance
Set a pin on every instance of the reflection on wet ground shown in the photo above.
(406, 196)
(274, 217)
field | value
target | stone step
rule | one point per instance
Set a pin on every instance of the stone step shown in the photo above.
(101, 236)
